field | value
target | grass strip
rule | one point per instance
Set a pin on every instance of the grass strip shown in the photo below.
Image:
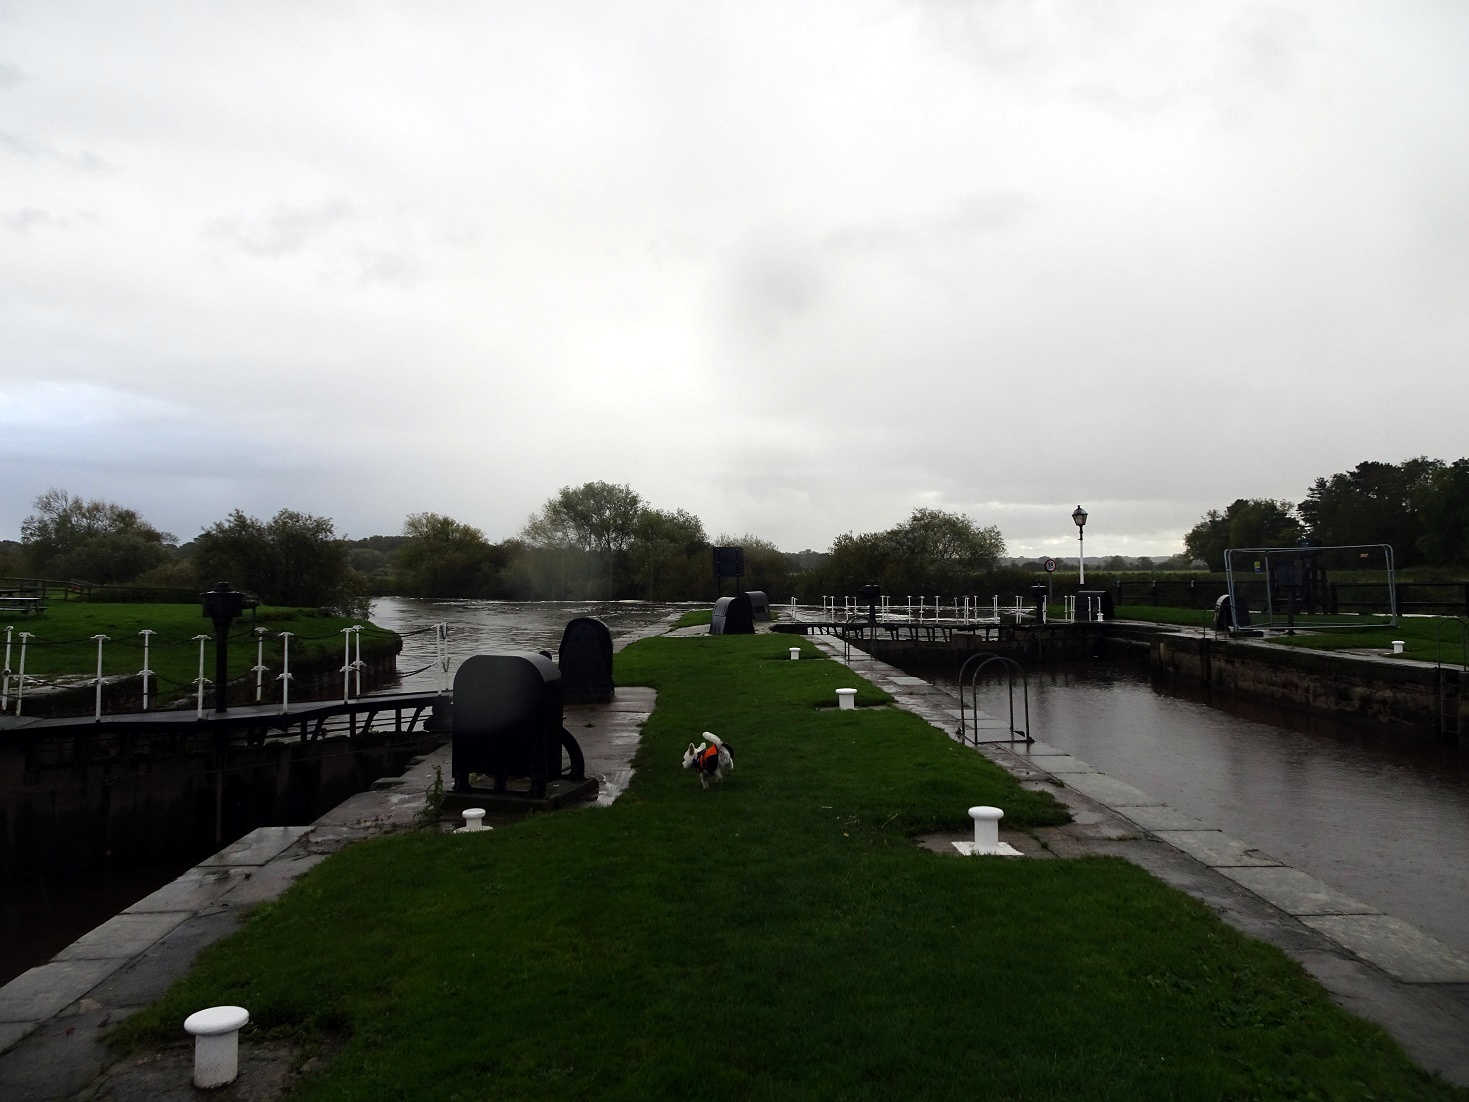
(778, 936)
(63, 646)
(1426, 638)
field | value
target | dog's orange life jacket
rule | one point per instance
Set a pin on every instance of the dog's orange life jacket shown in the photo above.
(709, 759)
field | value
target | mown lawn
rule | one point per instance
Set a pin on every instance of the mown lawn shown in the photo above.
(1427, 638)
(780, 936)
(695, 617)
(63, 645)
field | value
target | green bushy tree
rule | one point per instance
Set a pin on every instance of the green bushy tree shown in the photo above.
(96, 541)
(294, 559)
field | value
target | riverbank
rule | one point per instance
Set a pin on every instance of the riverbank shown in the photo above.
(790, 913)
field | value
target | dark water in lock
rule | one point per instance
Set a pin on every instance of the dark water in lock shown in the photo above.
(1377, 814)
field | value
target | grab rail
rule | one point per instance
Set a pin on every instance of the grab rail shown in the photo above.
(1011, 666)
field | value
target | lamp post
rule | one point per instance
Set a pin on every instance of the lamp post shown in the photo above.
(1080, 517)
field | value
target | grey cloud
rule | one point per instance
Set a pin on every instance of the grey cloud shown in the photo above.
(999, 34)
(979, 213)
(1126, 106)
(86, 160)
(1265, 47)
(771, 287)
(30, 218)
(392, 268)
(282, 231)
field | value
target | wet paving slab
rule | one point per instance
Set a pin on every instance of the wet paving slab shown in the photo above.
(1213, 847)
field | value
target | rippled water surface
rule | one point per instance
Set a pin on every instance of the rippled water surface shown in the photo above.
(1380, 816)
(494, 627)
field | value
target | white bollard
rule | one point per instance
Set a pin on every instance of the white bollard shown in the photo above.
(216, 1044)
(474, 821)
(846, 699)
(1397, 646)
(795, 654)
(986, 826)
(986, 835)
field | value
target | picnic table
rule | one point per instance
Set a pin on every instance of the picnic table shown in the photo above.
(11, 604)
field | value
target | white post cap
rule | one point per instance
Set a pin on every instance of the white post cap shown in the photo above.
(216, 1033)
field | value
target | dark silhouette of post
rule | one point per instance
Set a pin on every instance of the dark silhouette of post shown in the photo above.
(222, 604)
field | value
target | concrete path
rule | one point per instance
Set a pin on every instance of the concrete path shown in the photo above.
(1373, 964)
(53, 1017)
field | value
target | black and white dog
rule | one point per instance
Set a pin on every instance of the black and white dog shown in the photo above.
(711, 759)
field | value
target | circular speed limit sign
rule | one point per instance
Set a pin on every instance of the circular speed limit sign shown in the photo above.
(1050, 565)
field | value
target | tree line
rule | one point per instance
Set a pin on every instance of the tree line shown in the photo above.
(603, 541)
(594, 541)
(1419, 506)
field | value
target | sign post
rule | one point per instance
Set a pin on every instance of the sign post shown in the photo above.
(729, 562)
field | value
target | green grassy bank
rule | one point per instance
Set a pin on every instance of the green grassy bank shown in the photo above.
(63, 645)
(779, 936)
(1427, 638)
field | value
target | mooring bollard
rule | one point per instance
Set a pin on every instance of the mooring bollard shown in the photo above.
(846, 699)
(987, 835)
(986, 826)
(474, 821)
(216, 1044)
(795, 654)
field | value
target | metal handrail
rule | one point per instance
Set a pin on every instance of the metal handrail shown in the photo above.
(1011, 666)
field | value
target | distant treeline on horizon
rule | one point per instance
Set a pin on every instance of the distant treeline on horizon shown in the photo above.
(602, 541)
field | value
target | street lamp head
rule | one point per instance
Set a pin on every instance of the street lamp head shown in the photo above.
(1079, 516)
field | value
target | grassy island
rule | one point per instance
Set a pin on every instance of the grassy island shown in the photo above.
(780, 936)
(64, 650)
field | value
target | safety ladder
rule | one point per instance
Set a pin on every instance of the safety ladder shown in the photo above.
(969, 675)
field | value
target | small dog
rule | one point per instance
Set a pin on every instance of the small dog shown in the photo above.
(711, 759)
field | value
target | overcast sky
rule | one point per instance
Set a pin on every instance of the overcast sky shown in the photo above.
(796, 268)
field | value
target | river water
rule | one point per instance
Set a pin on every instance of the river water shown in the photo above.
(1379, 816)
(494, 627)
